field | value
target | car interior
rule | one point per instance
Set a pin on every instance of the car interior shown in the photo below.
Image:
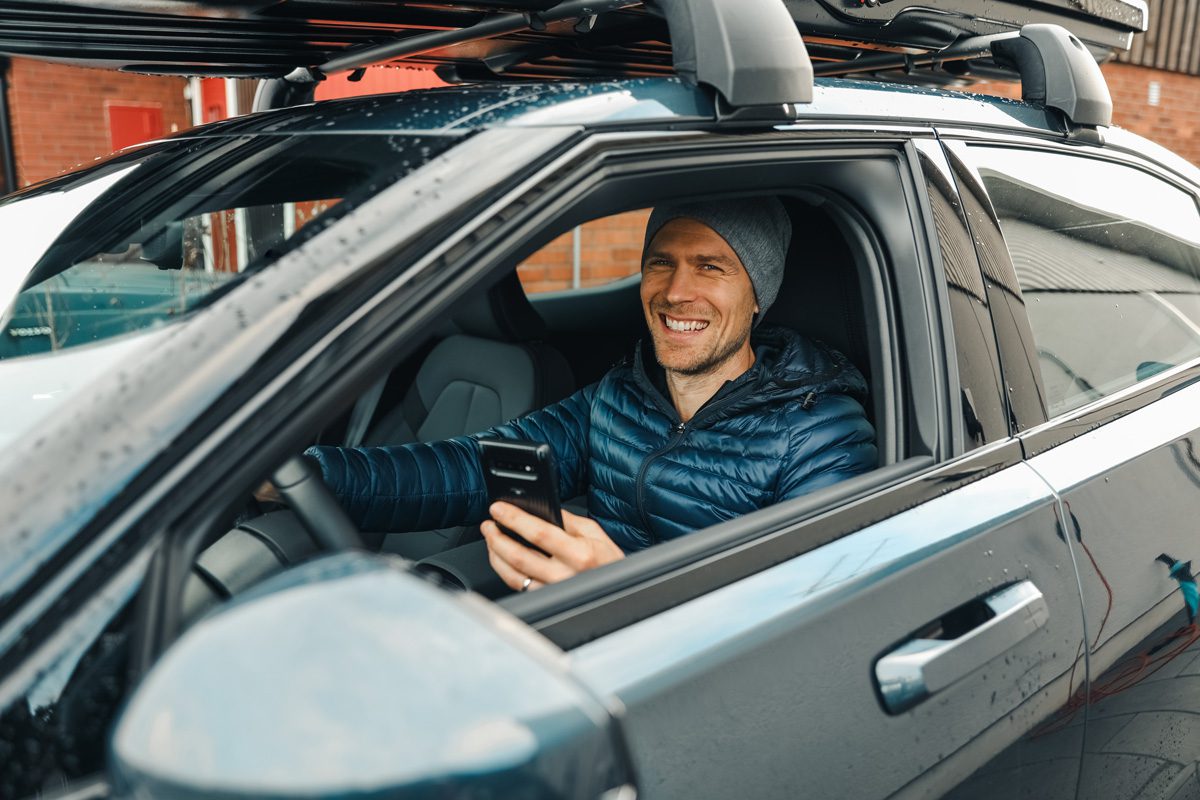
(502, 353)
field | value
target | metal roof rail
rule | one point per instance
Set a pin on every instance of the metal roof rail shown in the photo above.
(1056, 70)
(750, 52)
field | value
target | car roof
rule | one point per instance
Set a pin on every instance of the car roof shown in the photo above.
(631, 102)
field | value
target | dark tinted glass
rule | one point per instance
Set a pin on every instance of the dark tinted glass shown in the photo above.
(1108, 261)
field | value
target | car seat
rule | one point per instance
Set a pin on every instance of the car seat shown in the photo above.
(494, 369)
(822, 296)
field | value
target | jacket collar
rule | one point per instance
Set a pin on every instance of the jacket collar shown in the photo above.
(786, 365)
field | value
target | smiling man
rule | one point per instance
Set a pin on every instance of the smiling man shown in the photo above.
(714, 417)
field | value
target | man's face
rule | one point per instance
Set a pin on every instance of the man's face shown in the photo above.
(697, 297)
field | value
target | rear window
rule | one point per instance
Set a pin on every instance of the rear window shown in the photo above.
(1108, 261)
(143, 239)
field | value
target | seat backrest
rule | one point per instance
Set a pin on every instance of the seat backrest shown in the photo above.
(821, 295)
(492, 370)
(468, 384)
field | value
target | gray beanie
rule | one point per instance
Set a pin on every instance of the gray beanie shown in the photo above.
(756, 228)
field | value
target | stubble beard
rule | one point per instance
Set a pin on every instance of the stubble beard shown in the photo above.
(704, 363)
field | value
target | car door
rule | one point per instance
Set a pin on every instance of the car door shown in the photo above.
(887, 636)
(1107, 253)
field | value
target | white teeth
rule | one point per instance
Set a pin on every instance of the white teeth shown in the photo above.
(681, 325)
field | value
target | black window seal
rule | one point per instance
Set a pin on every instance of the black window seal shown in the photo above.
(935, 170)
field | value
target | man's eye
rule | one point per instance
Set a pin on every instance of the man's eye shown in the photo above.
(710, 268)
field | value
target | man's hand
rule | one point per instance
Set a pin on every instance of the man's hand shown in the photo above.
(267, 493)
(579, 545)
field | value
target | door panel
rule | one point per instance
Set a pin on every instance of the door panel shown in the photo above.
(1107, 256)
(1133, 490)
(766, 688)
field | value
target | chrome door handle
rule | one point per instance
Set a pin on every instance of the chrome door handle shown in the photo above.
(921, 667)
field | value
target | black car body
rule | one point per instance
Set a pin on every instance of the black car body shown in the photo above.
(1002, 608)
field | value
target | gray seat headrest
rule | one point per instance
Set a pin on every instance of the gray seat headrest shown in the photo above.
(503, 313)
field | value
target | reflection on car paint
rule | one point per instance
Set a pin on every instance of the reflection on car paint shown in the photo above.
(694, 651)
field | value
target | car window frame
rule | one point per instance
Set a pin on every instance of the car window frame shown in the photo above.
(1052, 431)
(673, 572)
(475, 255)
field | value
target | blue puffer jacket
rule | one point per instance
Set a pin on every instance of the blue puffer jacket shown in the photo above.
(791, 424)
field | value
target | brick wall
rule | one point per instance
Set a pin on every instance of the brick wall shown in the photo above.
(1174, 122)
(60, 117)
(609, 248)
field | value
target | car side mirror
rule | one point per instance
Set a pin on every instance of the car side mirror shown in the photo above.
(351, 675)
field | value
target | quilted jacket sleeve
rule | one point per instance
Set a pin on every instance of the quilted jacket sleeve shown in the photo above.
(421, 486)
(830, 442)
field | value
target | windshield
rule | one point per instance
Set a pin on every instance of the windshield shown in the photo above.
(97, 261)
(144, 238)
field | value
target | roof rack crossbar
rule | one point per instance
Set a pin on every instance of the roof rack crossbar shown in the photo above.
(299, 85)
(964, 50)
(488, 28)
(1056, 69)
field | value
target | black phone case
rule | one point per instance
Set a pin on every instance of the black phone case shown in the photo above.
(524, 474)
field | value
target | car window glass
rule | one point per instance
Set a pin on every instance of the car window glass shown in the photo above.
(1108, 260)
(139, 243)
(592, 254)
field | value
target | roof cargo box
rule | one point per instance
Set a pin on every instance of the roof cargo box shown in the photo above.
(272, 37)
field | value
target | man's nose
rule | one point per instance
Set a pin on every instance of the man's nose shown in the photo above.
(682, 287)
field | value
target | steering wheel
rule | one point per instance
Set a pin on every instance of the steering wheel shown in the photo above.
(300, 484)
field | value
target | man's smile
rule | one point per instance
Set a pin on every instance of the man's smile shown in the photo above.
(683, 325)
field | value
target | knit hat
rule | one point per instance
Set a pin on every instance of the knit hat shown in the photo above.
(756, 228)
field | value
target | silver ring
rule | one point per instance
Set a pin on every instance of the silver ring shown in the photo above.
(525, 585)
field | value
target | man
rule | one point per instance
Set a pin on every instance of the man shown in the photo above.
(716, 424)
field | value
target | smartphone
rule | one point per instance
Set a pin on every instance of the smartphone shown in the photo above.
(522, 473)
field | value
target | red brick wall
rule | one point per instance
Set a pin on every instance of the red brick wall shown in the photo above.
(59, 116)
(377, 80)
(609, 248)
(1174, 123)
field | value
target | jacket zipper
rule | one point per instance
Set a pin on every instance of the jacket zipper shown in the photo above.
(679, 430)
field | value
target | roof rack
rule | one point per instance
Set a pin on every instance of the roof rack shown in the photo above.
(748, 51)
(1056, 70)
(752, 55)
